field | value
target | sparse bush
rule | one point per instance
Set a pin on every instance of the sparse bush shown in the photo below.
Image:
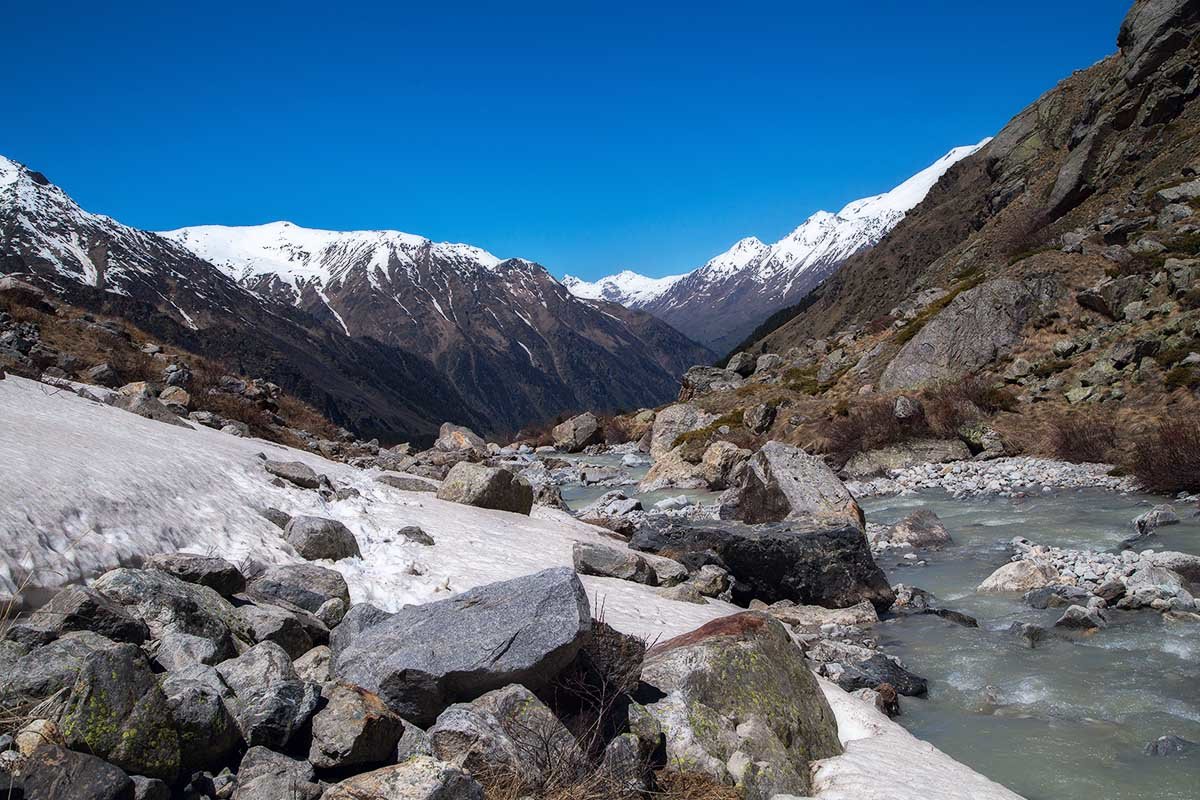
(949, 406)
(1167, 459)
(1190, 299)
(1182, 377)
(802, 380)
(1081, 437)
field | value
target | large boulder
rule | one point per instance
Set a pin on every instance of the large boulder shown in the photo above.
(270, 623)
(737, 701)
(267, 775)
(459, 439)
(173, 608)
(118, 712)
(1110, 296)
(78, 608)
(296, 472)
(216, 573)
(612, 562)
(272, 702)
(308, 586)
(742, 363)
(354, 728)
(721, 463)
(29, 675)
(873, 463)
(61, 774)
(1185, 565)
(783, 482)
(671, 470)
(854, 667)
(699, 381)
(422, 658)
(806, 562)
(316, 538)
(672, 422)
(577, 433)
(921, 529)
(486, 487)
(145, 404)
(418, 778)
(968, 333)
(199, 703)
(1019, 576)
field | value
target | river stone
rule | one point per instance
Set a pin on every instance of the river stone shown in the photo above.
(354, 728)
(611, 562)
(57, 773)
(1080, 618)
(267, 775)
(1169, 746)
(422, 658)
(486, 487)
(118, 712)
(738, 690)
(459, 439)
(170, 605)
(78, 608)
(821, 564)
(854, 667)
(216, 573)
(1185, 565)
(969, 333)
(874, 463)
(317, 538)
(1018, 576)
(921, 529)
(296, 472)
(784, 482)
(812, 618)
(1155, 518)
(418, 778)
(577, 433)
(308, 586)
(1031, 635)
(1056, 596)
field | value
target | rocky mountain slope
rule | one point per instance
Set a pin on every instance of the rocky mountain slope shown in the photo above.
(485, 322)
(1044, 298)
(719, 303)
(386, 333)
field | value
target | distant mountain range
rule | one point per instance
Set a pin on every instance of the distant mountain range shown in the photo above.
(721, 302)
(388, 333)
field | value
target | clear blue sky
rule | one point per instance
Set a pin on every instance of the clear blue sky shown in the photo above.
(589, 137)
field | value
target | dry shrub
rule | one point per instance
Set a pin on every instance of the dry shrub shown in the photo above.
(692, 786)
(949, 406)
(1166, 459)
(1081, 437)
(869, 424)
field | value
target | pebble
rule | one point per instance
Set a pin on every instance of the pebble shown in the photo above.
(1005, 477)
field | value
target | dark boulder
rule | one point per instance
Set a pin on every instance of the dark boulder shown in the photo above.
(308, 586)
(216, 573)
(273, 703)
(200, 703)
(56, 773)
(296, 472)
(78, 608)
(355, 728)
(806, 562)
(267, 775)
(422, 658)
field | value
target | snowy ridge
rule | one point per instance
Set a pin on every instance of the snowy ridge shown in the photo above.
(821, 240)
(626, 287)
(302, 257)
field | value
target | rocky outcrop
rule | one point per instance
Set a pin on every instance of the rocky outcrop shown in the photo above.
(671, 423)
(699, 381)
(486, 487)
(577, 433)
(969, 333)
(737, 701)
(783, 482)
(881, 461)
(519, 631)
(805, 562)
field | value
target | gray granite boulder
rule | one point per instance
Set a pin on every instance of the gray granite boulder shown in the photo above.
(296, 472)
(418, 778)
(783, 482)
(422, 658)
(577, 433)
(316, 538)
(215, 573)
(486, 487)
(355, 728)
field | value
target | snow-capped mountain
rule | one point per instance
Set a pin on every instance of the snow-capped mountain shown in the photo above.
(511, 338)
(387, 332)
(719, 303)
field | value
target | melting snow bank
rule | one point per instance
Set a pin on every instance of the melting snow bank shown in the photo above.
(1005, 477)
(85, 487)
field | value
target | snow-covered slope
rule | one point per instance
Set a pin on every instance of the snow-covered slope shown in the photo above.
(719, 303)
(70, 511)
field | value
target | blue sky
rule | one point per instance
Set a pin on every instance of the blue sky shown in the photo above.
(589, 137)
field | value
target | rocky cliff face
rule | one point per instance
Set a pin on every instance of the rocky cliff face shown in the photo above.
(1084, 159)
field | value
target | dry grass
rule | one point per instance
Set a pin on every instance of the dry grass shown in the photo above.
(674, 785)
(1166, 458)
